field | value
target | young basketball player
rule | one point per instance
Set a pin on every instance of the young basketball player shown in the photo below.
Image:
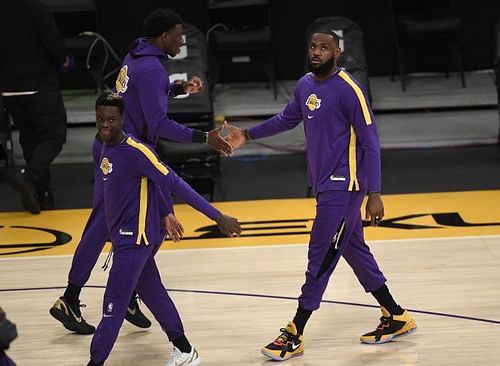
(137, 216)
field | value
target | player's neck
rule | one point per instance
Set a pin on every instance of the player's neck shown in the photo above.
(157, 43)
(321, 77)
(118, 139)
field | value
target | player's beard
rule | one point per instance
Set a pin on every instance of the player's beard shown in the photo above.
(323, 69)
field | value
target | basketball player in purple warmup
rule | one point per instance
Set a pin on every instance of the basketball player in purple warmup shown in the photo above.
(144, 84)
(343, 156)
(137, 215)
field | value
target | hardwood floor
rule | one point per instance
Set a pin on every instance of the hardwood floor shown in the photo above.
(234, 300)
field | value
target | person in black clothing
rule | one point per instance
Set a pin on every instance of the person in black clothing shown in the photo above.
(8, 332)
(31, 52)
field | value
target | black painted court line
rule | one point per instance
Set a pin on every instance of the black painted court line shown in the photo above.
(242, 294)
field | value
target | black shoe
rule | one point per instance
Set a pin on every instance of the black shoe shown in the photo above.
(92, 363)
(70, 316)
(135, 316)
(390, 327)
(46, 200)
(29, 198)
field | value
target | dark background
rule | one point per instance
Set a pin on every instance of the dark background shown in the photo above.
(284, 176)
(120, 22)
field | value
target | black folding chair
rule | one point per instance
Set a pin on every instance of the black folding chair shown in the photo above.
(6, 144)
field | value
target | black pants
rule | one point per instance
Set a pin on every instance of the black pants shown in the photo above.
(41, 120)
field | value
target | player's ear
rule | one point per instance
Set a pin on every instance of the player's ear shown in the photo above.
(165, 35)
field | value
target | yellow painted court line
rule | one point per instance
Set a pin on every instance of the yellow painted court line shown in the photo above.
(273, 222)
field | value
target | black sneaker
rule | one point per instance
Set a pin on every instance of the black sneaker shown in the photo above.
(287, 345)
(25, 187)
(70, 316)
(92, 363)
(46, 200)
(390, 327)
(135, 316)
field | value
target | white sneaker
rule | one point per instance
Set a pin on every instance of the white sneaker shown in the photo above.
(178, 358)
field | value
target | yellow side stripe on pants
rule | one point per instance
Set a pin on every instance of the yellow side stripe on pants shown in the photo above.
(143, 207)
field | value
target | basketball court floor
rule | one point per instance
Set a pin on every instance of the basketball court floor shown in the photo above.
(439, 251)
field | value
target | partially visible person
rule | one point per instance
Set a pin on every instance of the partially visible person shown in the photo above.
(144, 84)
(137, 188)
(32, 50)
(8, 332)
(343, 161)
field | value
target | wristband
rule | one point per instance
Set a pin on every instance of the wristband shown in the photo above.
(179, 88)
(200, 136)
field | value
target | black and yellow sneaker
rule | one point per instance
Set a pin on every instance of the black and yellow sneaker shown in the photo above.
(390, 327)
(288, 344)
(70, 316)
(134, 314)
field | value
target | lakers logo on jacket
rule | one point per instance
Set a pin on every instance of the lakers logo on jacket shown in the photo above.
(313, 102)
(106, 166)
(122, 80)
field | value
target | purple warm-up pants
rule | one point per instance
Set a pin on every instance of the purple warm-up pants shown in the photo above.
(6, 360)
(337, 231)
(133, 267)
(93, 239)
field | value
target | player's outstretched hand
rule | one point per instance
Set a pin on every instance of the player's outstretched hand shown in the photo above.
(173, 227)
(217, 142)
(229, 226)
(195, 85)
(236, 136)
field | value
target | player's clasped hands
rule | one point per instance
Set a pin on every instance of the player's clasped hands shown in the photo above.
(226, 138)
(236, 136)
(217, 142)
(195, 85)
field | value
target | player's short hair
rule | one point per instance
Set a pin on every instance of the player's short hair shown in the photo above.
(110, 99)
(335, 36)
(160, 21)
